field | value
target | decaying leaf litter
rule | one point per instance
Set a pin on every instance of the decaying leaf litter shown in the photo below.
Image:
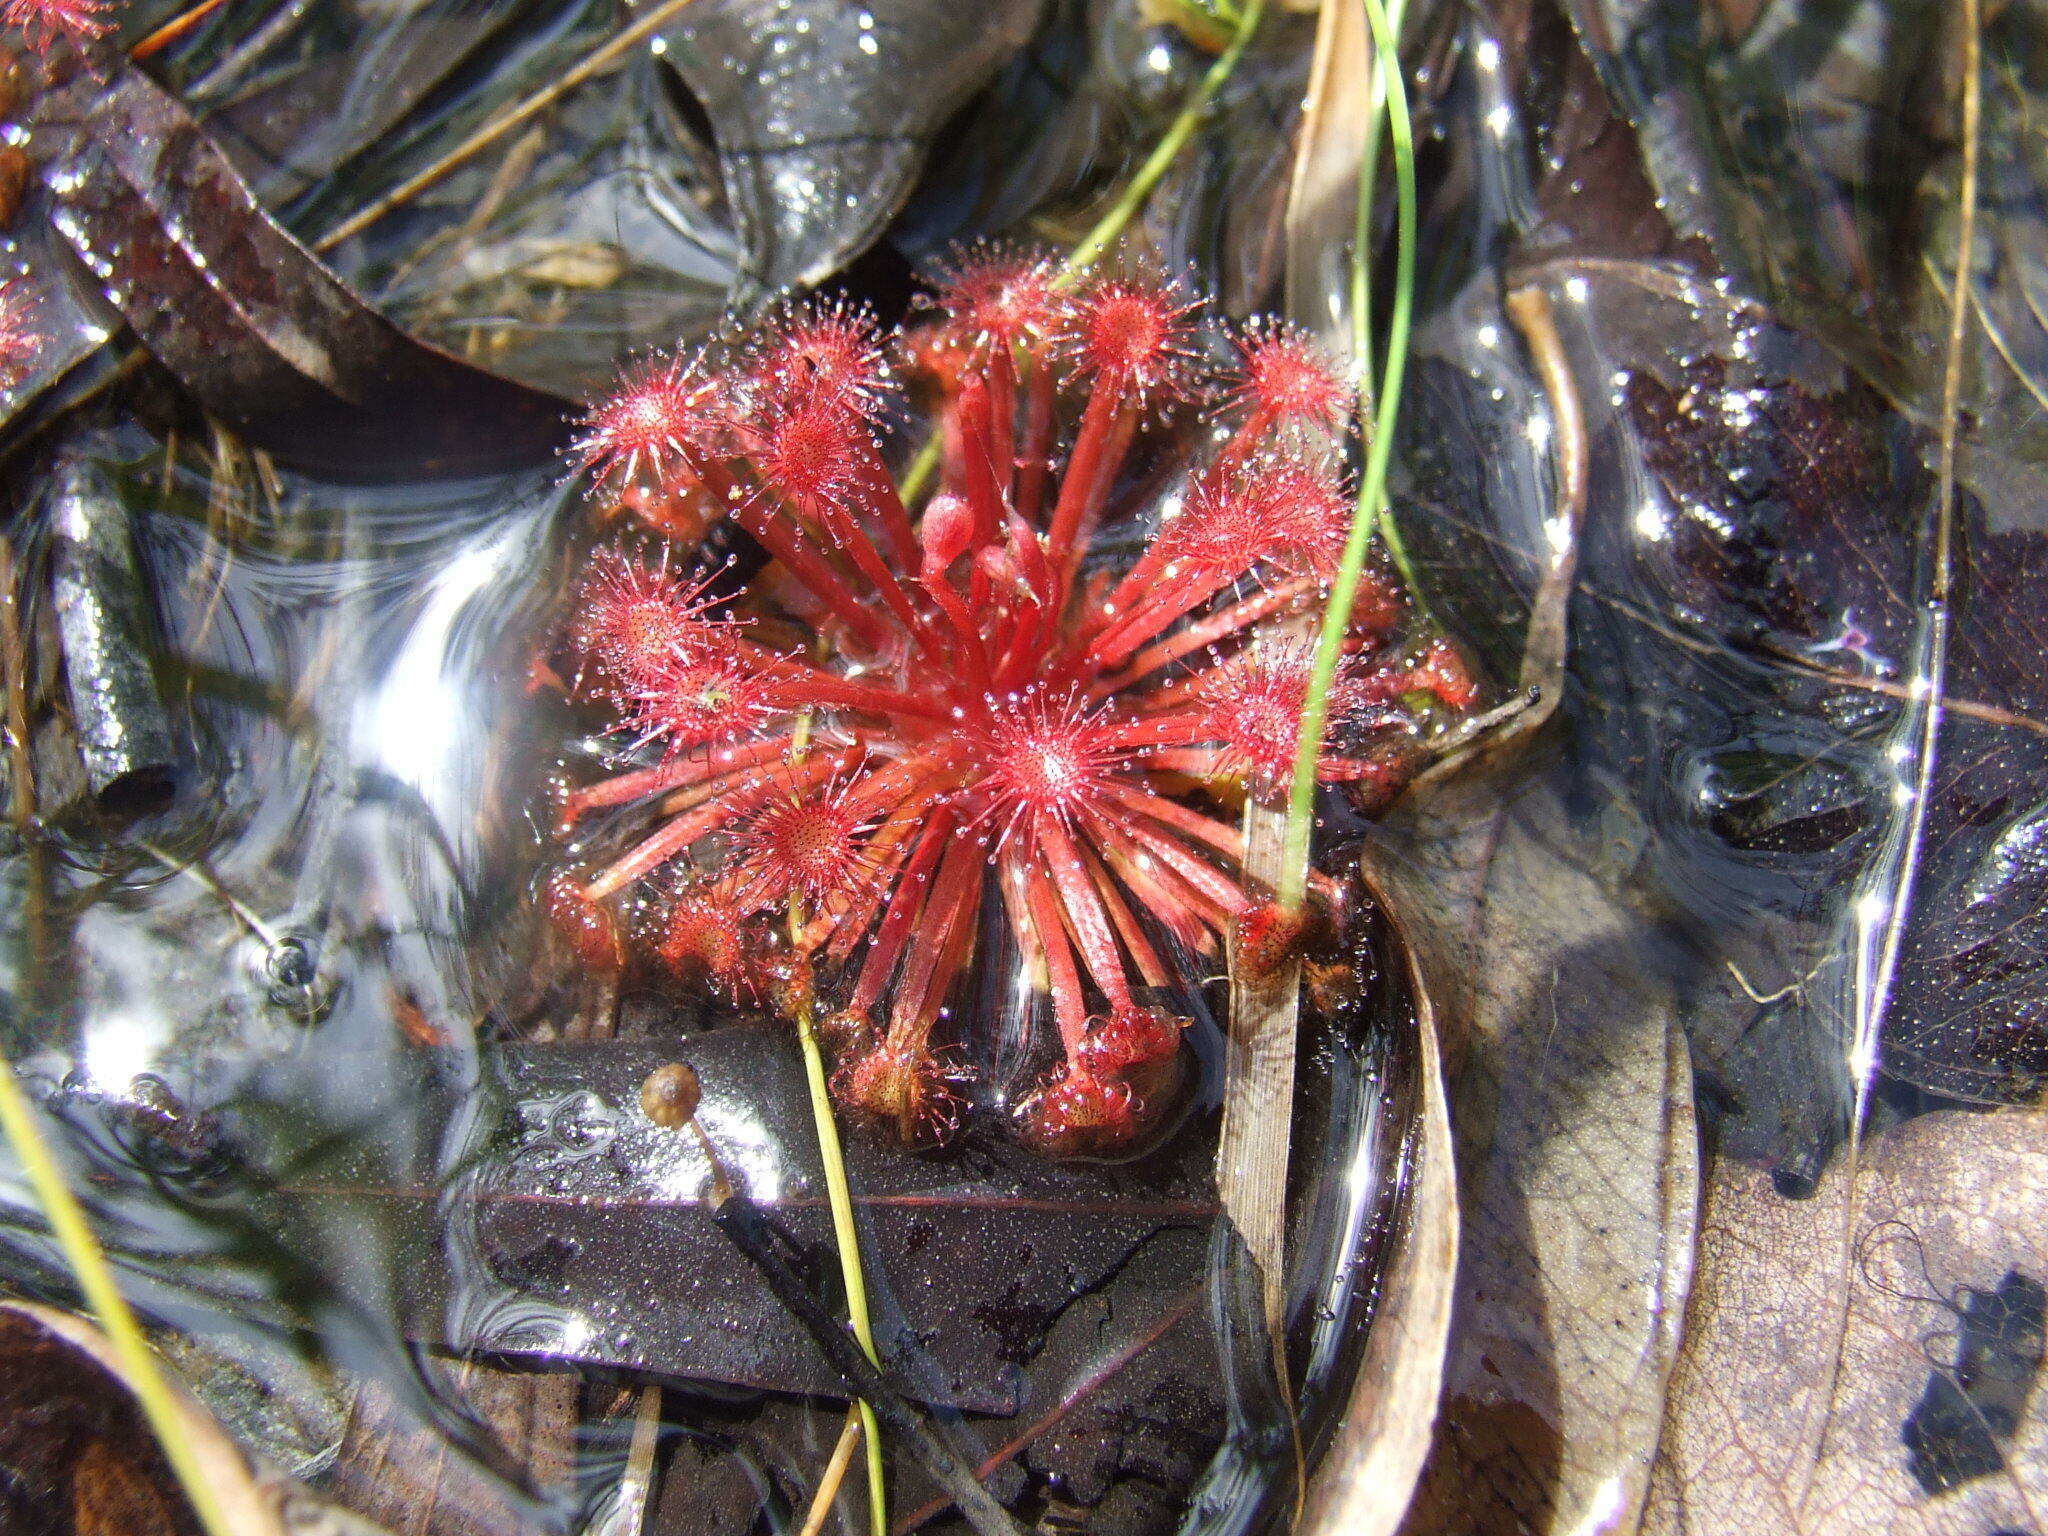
(1717, 842)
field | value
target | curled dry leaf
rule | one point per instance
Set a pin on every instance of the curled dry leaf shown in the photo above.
(1929, 1422)
(1364, 1481)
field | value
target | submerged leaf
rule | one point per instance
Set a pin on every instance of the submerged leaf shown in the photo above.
(822, 113)
(1920, 1415)
(1578, 1169)
(583, 1231)
(247, 319)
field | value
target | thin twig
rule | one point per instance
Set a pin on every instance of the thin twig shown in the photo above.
(196, 870)
(174, 30)
(14, 662)
(501, 125)
(636, 1481)
(744, 1226)
(1372, 485)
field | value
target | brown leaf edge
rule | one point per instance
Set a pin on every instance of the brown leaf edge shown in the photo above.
(1364, 1481)
(257, 1500)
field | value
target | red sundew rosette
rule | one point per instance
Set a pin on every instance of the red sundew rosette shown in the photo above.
(986, 736)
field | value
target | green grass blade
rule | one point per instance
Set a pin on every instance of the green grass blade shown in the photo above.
(1372, 483)
(88, 1261)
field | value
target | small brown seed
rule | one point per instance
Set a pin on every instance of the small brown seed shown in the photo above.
(670, 1095)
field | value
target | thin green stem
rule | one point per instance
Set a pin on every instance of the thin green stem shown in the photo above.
(1361, 236)
(839, 1194)
(145, 1377)
(919, 475)
(847, 1240)
(1361, 293)
(1372, 484)
(1166, 151)
(1113, 223)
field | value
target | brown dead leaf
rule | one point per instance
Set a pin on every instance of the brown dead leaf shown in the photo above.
(111, 1495)
(1762, 1435)
(404, 1472)
(1577, 1159)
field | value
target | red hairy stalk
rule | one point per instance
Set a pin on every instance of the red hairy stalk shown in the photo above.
(975, 739)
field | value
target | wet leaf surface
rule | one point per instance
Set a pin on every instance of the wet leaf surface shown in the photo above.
(1868, 1359)
(1578, 1169)
(1745, 638)
(246, 318)
(295, 96)
(595, 228)
(819, 131)
(583, 1231)
(1745, 631)
(70, 318)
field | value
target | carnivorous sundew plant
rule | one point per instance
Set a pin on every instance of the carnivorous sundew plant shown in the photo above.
(1020, 719)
